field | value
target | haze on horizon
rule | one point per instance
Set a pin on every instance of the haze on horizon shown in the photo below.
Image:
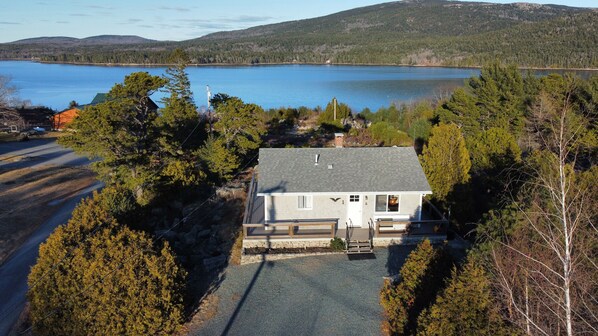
(176, 20)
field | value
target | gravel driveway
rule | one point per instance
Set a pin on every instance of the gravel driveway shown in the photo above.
(320, 295)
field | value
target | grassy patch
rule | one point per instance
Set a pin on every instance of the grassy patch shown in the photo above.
(28, 197)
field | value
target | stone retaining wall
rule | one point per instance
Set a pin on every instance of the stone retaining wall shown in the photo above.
(408, 240)
(256, 258)
(296, 243)
(286, 243)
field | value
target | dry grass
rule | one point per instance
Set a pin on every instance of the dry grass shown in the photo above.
(29, 196)
(207, 310)
(23, 324)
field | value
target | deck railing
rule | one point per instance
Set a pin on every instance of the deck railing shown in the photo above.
(390, 228)
(250, 197)
(291, 230)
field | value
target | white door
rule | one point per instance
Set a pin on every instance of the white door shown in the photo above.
(354, 210)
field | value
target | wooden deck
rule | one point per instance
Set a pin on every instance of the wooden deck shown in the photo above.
(255, 227)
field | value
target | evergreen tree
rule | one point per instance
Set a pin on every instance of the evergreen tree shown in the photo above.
(421, 277)
(496, 98)
(465, 307)
(240, 125)
(179, 118)
(494, 149)
(461, 110)
(445, 160)
(500, 95)
(122, 133)
(219, 160)
(181, 127)
(95, 277)
(327, 117)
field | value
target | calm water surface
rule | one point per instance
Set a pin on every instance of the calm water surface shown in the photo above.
(55, 85)
(270, 86)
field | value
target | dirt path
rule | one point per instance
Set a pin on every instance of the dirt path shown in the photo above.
(29, 196)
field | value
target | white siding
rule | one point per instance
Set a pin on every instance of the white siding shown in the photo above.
(281, 208)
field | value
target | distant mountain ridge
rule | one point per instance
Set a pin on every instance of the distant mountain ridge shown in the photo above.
(92, 40)
(425, 32)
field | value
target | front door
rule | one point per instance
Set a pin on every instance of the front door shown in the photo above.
(354, 210)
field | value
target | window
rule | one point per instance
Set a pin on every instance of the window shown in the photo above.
(387, 203)
(353, 198)
(305, 202)
(380, 203)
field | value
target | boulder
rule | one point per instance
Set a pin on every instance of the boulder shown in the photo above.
(176, 205)
(157, 211)
(214, 262)
(203, 233)
(189, 239)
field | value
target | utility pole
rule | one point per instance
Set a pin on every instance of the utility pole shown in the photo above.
(334, 100)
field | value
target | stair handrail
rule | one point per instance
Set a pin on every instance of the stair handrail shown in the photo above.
(371, 232)
(347, 235)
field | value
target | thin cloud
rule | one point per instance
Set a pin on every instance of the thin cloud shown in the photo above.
(177, 9)
(211, 25)
(99, 7)
(79, 14)
(145, 26)
(62, 22)
(9, 23)
(134, 20)
(248, 19)
(169, 26)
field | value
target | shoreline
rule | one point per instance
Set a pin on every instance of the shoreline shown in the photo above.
(160, 65)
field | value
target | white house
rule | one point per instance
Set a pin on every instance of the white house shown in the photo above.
(367, 193)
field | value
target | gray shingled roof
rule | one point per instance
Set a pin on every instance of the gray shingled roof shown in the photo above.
(372, 169)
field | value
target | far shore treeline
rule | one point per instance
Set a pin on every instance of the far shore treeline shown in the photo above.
(430, 33)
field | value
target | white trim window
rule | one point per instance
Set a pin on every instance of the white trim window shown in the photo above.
(305, 202)
(387, 203)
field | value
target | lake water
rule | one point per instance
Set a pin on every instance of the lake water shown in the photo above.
(271, 86)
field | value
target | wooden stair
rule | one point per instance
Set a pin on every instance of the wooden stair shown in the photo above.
(359, 247)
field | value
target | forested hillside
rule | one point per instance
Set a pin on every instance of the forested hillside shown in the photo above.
(434, 32)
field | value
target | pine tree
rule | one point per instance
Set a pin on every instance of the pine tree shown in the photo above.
(179, 117)
(494, 149)
(240, 125)
(122, 133)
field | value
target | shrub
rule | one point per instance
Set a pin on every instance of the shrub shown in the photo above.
(337, 244)
(421, 277)
(465, 307)
(95, 277)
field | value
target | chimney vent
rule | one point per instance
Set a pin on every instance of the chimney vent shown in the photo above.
(338, 140)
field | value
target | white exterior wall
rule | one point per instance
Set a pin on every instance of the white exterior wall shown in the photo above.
(409, 208)
(281, 208)
(286, 208)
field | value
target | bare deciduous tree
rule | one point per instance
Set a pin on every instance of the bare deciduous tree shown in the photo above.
(546, 272)
(7, 93)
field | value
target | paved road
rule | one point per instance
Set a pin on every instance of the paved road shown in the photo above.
(14, 272)
(36, 153)
(321, 295)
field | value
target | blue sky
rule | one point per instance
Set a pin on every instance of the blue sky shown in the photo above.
(166, 20)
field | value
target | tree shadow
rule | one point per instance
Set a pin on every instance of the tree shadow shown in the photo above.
(397, 254)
